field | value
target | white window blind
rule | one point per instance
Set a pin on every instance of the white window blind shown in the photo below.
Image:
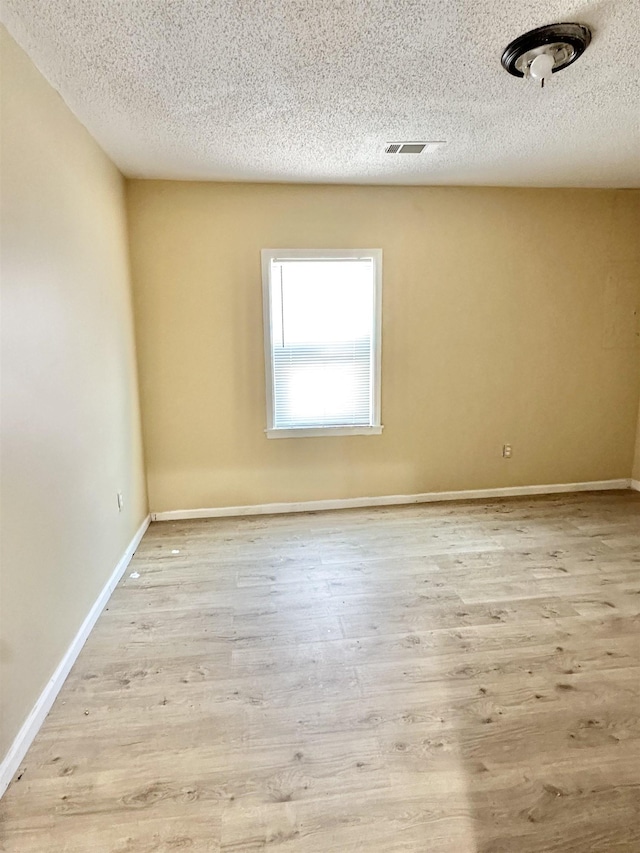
(322, 326)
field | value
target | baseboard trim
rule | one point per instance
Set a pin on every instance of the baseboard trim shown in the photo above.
(635, 484)
(387, 500)
(18, 749)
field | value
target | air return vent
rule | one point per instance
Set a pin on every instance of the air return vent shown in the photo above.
(410, 147)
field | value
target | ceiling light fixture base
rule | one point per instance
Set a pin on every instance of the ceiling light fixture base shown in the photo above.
(562, 43)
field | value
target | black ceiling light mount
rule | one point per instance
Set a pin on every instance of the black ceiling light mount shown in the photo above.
(541, 52)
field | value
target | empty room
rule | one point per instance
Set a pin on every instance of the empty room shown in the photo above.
(320, 426)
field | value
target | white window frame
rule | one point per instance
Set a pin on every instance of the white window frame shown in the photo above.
(268, 255)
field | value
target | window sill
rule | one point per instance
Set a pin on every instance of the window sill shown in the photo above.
(314, 432)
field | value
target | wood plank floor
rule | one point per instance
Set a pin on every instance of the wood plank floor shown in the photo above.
(444, 678)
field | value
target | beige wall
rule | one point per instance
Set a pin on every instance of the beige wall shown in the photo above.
(70, 422)
(636, 461)
(507, 317)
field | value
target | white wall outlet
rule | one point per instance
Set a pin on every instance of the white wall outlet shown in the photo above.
(120, 502)
(506, 451)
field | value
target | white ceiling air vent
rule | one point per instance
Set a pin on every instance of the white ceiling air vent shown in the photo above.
(410, 147)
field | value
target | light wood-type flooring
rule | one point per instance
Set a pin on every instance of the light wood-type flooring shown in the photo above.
(444, 678)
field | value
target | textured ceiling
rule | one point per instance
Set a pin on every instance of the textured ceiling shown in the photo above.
(311, 90)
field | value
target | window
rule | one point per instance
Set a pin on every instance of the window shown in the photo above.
(322, 341)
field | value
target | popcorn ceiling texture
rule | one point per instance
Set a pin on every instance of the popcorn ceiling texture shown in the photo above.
(311, 90)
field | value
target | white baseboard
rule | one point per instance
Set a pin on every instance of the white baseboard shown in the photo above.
(635, 484)
(388, 500)
(31, 726)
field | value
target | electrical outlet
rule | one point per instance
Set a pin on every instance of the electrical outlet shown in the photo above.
(506, 451)
(120, 502)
